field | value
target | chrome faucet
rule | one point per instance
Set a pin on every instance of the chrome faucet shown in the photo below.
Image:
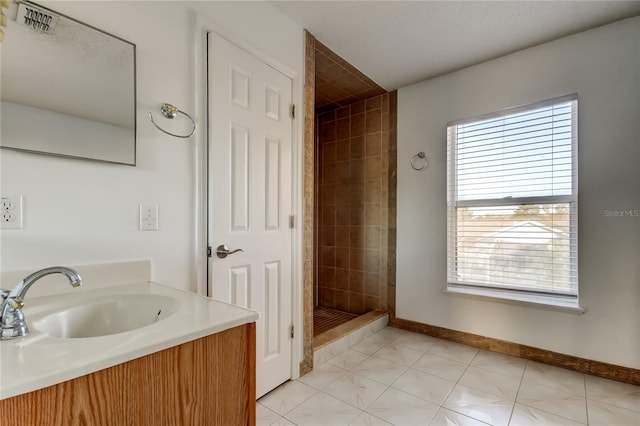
(12, 321)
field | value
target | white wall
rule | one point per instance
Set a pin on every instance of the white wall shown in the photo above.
(80, 212)
(603, 67)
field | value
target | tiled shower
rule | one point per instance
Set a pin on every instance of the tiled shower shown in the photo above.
(352, 124)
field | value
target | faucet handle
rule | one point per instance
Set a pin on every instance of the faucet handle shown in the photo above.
(17, 303)
(4, 293)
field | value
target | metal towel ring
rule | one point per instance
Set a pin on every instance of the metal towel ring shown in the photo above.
(419, 156)
(169, 111)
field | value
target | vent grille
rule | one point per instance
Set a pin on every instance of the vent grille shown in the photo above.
(35, 18)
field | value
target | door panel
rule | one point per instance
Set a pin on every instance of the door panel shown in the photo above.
(250, 198)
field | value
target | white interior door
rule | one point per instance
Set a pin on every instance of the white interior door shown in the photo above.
(250, 198)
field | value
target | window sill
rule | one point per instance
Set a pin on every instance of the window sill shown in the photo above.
(530, 300)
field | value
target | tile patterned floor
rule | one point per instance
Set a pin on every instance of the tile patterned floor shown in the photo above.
(395, 377)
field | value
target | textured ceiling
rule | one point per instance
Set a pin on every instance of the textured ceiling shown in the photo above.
(397, 43)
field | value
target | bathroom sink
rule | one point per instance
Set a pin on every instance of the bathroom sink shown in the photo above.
(106, 316)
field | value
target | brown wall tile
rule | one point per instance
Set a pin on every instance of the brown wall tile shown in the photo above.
(372, 215)
(372, 237)
(357, 214)
(343, 150)
(327, 256)
(371, 303)
(372, 261)
(357, 108)
(373, 121)
(327, 235)
(357, 170)
(373, 103)
(327, 277)
(342, 236)
(356, 259)
(356, 239)
(342, 279)
(343, 112)
(328, 153)
(356, 303)
(373, 145)
(342, 257)
(328, 215)
(373, 167)
(343, 215)
(342, 300)
(343, 128)
(372, 284)
(357, 147)
(358, 125)
(356, 281)
(328, 131)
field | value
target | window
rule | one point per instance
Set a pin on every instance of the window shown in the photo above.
(512, 203)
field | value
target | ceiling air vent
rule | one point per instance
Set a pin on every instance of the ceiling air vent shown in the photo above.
(35, 18)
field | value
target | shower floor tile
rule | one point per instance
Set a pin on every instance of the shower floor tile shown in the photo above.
(325, 319)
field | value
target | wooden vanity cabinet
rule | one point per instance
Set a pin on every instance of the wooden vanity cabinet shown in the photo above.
(209, 381)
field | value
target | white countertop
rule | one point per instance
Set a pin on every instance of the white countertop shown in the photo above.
(39, 360)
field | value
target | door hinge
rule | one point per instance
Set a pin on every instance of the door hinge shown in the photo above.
(292, 331)
(293, 110)
(292, 221)
(208, 251)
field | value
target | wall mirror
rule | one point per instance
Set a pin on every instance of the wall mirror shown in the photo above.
(68, 89)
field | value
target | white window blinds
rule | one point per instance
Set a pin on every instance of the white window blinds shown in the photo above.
(512, 199)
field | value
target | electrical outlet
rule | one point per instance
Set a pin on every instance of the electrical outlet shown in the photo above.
(148, 217)
(11, 212)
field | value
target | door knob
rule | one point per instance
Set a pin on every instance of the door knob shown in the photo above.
(223, 251)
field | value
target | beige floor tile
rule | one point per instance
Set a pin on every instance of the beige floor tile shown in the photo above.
(615, 393)
(608, 415)
(401, 408)
(479, 405)
(370, 345)
(454, 351)
(425, 386)
(379, 369)
(444, 368)
(322, 376)
(446, 417)
(555, 377)
(348, 359)
(265, 417)
(527, 416)
(356, 390)
(491, 382)
(366, 419)
(553, 401)
(323, 409)
(500, 363)
(399, 354)
(287, 396)
(417, 342)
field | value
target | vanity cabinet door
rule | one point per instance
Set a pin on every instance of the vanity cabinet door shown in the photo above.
(209, 381)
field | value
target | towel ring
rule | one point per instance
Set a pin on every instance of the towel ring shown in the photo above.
(169, 111)
(416, 159)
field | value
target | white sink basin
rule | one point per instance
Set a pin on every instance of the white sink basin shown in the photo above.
(107, 315)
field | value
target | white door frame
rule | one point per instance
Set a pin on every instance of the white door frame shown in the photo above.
(201, 28)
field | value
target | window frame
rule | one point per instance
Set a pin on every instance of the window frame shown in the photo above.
(567, 299)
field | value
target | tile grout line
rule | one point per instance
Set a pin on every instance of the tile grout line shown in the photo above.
(586, 397)
(515, 401)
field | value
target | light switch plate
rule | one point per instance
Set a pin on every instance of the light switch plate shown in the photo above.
(148, 217)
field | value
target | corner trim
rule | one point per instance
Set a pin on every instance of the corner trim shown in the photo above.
(570, 362)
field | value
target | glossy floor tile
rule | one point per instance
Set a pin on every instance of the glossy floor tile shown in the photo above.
(395, 377)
